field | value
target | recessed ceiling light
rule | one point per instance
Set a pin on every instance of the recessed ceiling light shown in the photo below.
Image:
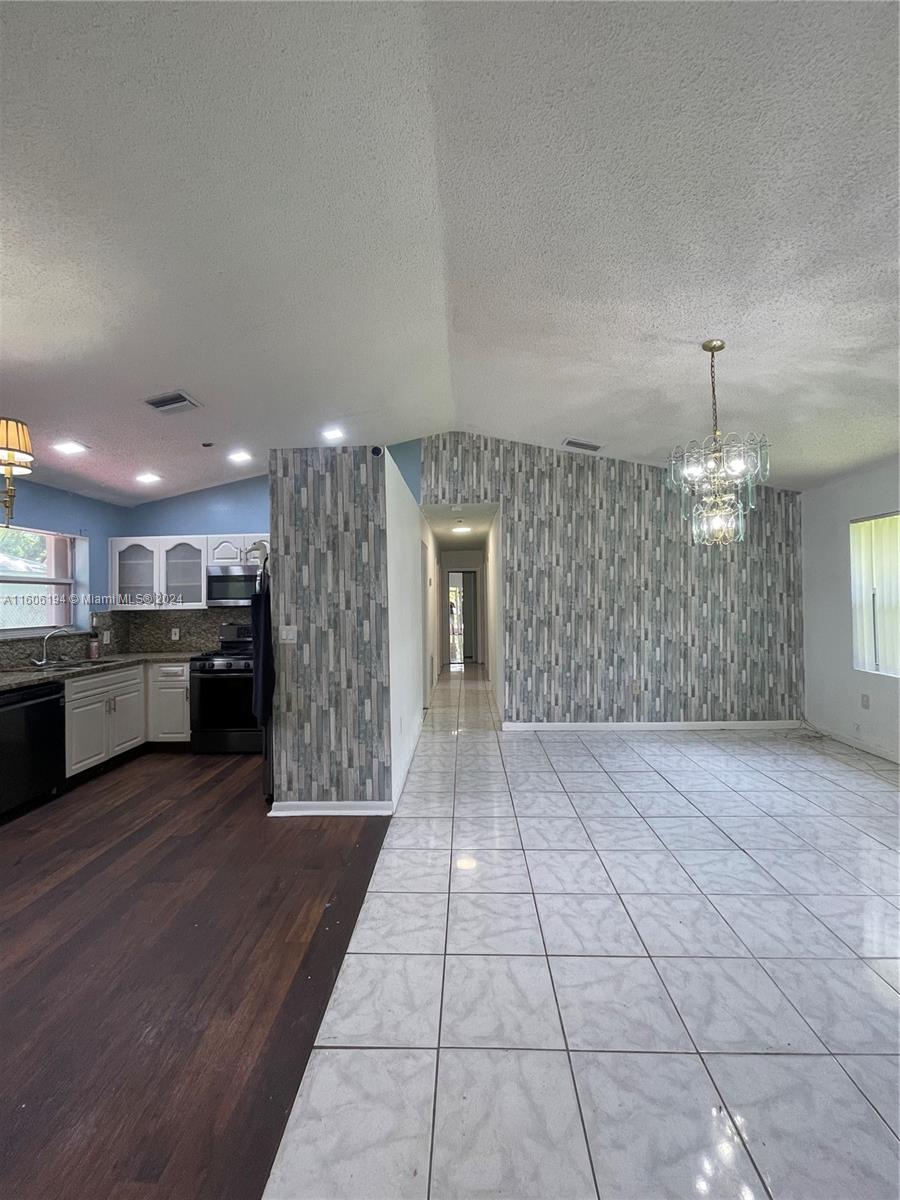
(461, 529)
(240, 456)
(334, 434)
(70, 447)
(147, 477)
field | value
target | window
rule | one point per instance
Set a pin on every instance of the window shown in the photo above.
(36, 580)
(875, 594)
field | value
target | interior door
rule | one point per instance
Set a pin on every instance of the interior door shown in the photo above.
(427, 681)
(470, 616)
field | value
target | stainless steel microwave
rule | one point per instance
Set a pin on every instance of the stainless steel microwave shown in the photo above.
(226, 587)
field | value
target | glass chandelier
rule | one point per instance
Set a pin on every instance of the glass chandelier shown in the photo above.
(719, 475)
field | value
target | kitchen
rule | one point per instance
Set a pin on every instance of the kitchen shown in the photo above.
(165, 661)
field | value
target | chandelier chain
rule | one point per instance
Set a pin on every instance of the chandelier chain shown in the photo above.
(712, 380)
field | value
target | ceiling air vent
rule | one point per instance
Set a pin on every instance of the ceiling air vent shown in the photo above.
(172, 402)
(580, 444)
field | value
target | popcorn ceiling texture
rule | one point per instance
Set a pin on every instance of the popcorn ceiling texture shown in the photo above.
(519, 219)
(610, 614)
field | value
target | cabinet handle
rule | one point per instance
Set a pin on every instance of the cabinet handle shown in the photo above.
(113, 703)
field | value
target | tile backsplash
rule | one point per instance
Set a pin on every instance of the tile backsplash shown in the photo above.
(131, 633)
(151, 632)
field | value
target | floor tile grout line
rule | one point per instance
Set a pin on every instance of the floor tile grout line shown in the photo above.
(559, 1017)
(437, 1055)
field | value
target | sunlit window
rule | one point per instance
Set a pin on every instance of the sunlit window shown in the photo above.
(36, 579)
(875, 593)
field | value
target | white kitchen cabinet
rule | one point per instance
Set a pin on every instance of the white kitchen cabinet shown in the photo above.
(225, 549)
(168, 706)
(105, 715)
(86, 732)
(127, 725)
(182, 565)
(152, 567)
(134, 572)
(249, 540)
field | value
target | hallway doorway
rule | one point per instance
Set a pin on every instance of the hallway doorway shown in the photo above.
(462, 612)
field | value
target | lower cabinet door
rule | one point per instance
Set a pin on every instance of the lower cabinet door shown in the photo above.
(127, 721)
(86, 721)
(169, 718)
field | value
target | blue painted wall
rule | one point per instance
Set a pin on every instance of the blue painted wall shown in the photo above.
(239, 507)
(408, 457)
(56, 511)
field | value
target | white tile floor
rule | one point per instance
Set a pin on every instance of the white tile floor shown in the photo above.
(635, 965)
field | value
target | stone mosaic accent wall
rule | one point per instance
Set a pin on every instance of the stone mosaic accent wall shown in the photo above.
(151, 632)
(328, 561)
(610, 613)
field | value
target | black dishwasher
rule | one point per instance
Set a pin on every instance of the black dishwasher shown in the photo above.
(32, 743)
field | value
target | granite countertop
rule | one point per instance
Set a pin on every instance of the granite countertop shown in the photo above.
(18, 677)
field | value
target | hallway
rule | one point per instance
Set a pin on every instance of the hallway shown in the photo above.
(633, 965)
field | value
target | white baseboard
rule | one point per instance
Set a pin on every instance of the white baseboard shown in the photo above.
(890, 753)
(638, 726)
(340, 808)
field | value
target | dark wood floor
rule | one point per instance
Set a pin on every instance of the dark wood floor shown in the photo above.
(167, 952)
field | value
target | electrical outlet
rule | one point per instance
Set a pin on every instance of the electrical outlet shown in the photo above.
(176, 633)
(287, 633)
(636, 688)
(864, 700)
(106, 637)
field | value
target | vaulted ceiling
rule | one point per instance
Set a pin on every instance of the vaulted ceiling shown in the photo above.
(514, 218)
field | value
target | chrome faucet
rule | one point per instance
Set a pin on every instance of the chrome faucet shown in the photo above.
(43, 662)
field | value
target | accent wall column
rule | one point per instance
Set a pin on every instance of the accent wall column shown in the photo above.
(328, 560)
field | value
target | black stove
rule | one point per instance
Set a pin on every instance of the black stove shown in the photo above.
(215, 660)
(222, 719)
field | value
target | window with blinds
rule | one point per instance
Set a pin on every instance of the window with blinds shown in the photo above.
(875, 593)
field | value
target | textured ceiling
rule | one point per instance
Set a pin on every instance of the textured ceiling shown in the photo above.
(516, 218)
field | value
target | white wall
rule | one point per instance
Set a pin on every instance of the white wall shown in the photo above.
(405, 618)
(833, 687)
(493, 580)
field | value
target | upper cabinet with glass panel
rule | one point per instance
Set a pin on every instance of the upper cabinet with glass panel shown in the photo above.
(183, 563)
(133, 572)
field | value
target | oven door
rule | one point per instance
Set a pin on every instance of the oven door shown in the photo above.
(230, 586)
(222, 720)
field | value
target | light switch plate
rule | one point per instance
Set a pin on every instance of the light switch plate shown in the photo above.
(106, 637)
(176, 633)
(864, 700)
